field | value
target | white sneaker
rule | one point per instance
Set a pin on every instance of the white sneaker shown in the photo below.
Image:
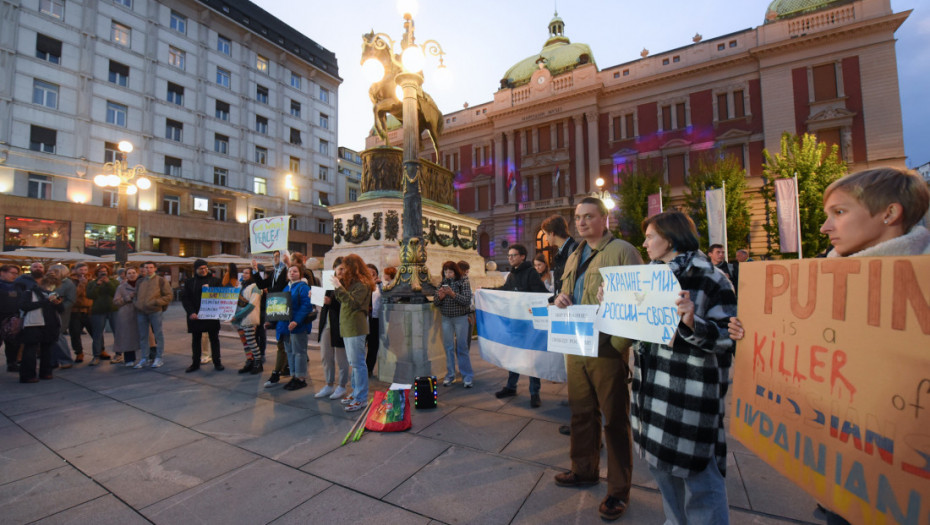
(157, 363)
(141, 363)
(348, 400)
(326, 391)
(338, 393)
(130, 364)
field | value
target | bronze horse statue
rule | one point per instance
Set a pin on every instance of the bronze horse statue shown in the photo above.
(384, 99)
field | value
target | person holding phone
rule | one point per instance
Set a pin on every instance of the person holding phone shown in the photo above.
(453, 297)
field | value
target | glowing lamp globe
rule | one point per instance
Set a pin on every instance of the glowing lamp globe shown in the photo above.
(132, 189)
(373, 70)
(143, 183)
(100, 180)
(412, 58)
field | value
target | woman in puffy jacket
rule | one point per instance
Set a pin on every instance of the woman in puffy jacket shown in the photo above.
(247, 317)
(294, 332)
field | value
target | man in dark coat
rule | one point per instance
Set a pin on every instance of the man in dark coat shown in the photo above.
(190, 298)
(557, 236)
(523, 278)
(9, 307)
(275, 281)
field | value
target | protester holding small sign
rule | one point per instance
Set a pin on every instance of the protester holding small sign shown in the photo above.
(191, 295)
(295, 330)
(679, 388)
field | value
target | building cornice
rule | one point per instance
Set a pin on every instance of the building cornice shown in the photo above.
(872, 25)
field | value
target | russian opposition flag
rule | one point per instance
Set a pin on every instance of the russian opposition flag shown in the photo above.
(508, 339)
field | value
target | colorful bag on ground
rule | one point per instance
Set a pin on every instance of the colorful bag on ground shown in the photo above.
(390, 411)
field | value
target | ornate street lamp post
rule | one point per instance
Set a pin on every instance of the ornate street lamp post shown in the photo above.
(412, 282)
(605, 196)
(121, 177)
(288, 188)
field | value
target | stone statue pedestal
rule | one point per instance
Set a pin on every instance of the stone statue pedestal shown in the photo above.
(411, 338)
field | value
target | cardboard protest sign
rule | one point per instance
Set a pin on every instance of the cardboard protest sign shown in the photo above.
(639, 302)
(571, 330)
(278, 307)
(832, 381)
(269, 233)
(218, 303)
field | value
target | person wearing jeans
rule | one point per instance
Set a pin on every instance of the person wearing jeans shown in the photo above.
(153, 295)
(101, 291)
(353, 290)
(295, 331)
(453, 297)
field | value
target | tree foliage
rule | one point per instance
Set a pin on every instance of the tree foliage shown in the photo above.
(634, 191)
(816, 165)
(713, 172)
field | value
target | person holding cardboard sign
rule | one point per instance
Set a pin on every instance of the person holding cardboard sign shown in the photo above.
(679, 388)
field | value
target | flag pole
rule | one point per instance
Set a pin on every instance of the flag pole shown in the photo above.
(797, 212)
(726, 249)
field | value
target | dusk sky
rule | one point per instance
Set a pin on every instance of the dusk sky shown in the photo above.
(483, 38)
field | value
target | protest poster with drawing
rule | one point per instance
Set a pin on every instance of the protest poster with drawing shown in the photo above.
(832, 381)
(218, 303)
(639, 302)
(269, 234)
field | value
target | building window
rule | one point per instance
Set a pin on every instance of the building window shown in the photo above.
(48, 49)
(293, 194)
(353, 194)
(175, 94)
(172, 166)
(295, 109)
(40, 187)
(222, 110)
(258, 213)
(324, 94)
(221, 144)
(124, 3)
(221, 176)
(324, 121)
(676, 170)
(321, 225)
(174, 130)
(261, 64)
(111, 152)
(292, 222)
(825, 86)
(324, 173)
(674, 116)
(733, 43)
(179, 23)
(676, 59)
(171, 204)
(119, 73)
(739, 104)
(44, 94)
(42, 139)
(120, 34)
(324, 199)
(176, 57)
(261, 155)
(665, 61)
(222, 77)
(116, 114)
(623, 127)
(54, 8)
(219, 211)
(296, 80)
(110, 198)
(223, 45)
(295, 137)
(721, 46)
(261, 94)
(261, 124)
(294, 165)
(324, 147)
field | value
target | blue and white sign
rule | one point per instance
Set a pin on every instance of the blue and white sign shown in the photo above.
(639, 303)
(572, 331)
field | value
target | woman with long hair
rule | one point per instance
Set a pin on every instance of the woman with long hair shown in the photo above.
(126, 338)
(687, 461)
(542, 268)
(353, 290)
(332, 345)
(247, 316)
(453, 297)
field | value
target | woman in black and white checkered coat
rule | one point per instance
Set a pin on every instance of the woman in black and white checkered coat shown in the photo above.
(679, 389)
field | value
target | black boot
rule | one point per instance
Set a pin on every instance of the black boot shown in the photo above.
(257, 367)
(247, 367)
(194, 367)
(218, 366)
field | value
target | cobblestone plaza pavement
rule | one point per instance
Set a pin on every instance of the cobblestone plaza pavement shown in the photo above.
(108, 444)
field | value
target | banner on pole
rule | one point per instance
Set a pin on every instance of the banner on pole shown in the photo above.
(269, 234)
(716, 216)
(218, 303)
(639, 302)
(654, 203)
(832, 384)
(786, 206)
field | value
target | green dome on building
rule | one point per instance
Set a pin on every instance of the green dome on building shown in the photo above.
(781, 9)
(558, 55)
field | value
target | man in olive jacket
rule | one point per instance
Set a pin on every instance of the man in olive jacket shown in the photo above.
(598, 386)
(153, 295)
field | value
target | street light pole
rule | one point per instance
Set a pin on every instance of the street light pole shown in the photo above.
(122, 179)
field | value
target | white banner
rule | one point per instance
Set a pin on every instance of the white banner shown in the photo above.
(218, 303)
(716, 216)
(786, 205)
(639, 302)
(269, 234)
(571, 330)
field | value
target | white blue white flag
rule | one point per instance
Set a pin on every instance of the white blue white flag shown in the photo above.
(508, 339)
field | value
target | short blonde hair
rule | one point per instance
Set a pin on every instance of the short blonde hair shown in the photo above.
(877, 188)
